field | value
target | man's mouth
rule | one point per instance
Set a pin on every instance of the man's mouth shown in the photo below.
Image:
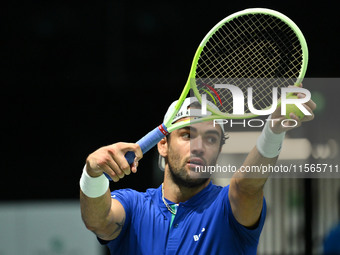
(196, 162)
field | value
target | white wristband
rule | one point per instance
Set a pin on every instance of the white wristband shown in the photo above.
(93, 186)
(269, 144)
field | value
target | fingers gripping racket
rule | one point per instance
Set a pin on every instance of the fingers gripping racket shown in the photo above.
(252, 45)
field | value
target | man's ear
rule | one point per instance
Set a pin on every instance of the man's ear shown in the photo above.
(163, 147)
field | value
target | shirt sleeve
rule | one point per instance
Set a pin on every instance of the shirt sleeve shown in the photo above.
(246, 235)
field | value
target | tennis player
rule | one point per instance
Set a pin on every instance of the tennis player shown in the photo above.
(186, 214)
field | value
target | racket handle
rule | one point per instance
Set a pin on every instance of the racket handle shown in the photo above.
(146, 143)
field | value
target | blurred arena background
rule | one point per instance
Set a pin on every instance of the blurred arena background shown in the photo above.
(79, 75)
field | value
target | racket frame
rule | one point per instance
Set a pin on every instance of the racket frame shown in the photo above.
(191, 82)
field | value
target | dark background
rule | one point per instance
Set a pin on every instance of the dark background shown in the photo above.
(78, 75)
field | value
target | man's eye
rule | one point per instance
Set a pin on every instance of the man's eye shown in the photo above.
(211, 139)
(186, 135)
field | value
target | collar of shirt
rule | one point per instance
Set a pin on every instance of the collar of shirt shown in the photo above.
(197, 200)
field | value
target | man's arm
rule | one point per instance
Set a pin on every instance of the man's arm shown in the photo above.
(246, 189)
(101, 214)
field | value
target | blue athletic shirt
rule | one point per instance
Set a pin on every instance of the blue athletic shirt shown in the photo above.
(203, 225)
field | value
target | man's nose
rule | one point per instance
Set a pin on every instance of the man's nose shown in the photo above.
(197, 145)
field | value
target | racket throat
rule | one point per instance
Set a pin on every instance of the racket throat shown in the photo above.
(163, 129)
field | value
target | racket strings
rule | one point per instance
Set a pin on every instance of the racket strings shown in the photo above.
(258, 51)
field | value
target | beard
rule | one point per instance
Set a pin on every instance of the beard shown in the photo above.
(180, 175)
(181, 178)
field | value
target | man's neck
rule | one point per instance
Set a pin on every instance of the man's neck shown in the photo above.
(176, 193)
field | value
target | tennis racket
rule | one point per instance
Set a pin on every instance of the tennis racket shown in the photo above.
(258, 48)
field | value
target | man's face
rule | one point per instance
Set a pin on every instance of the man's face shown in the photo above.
(190, 149)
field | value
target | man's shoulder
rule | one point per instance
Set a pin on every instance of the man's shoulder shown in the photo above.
(218, 193)
(212, 194)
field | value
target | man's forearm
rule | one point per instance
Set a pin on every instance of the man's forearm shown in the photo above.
(253, 181)
(265, 153)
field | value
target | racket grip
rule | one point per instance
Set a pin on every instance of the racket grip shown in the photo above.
(146, 143)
